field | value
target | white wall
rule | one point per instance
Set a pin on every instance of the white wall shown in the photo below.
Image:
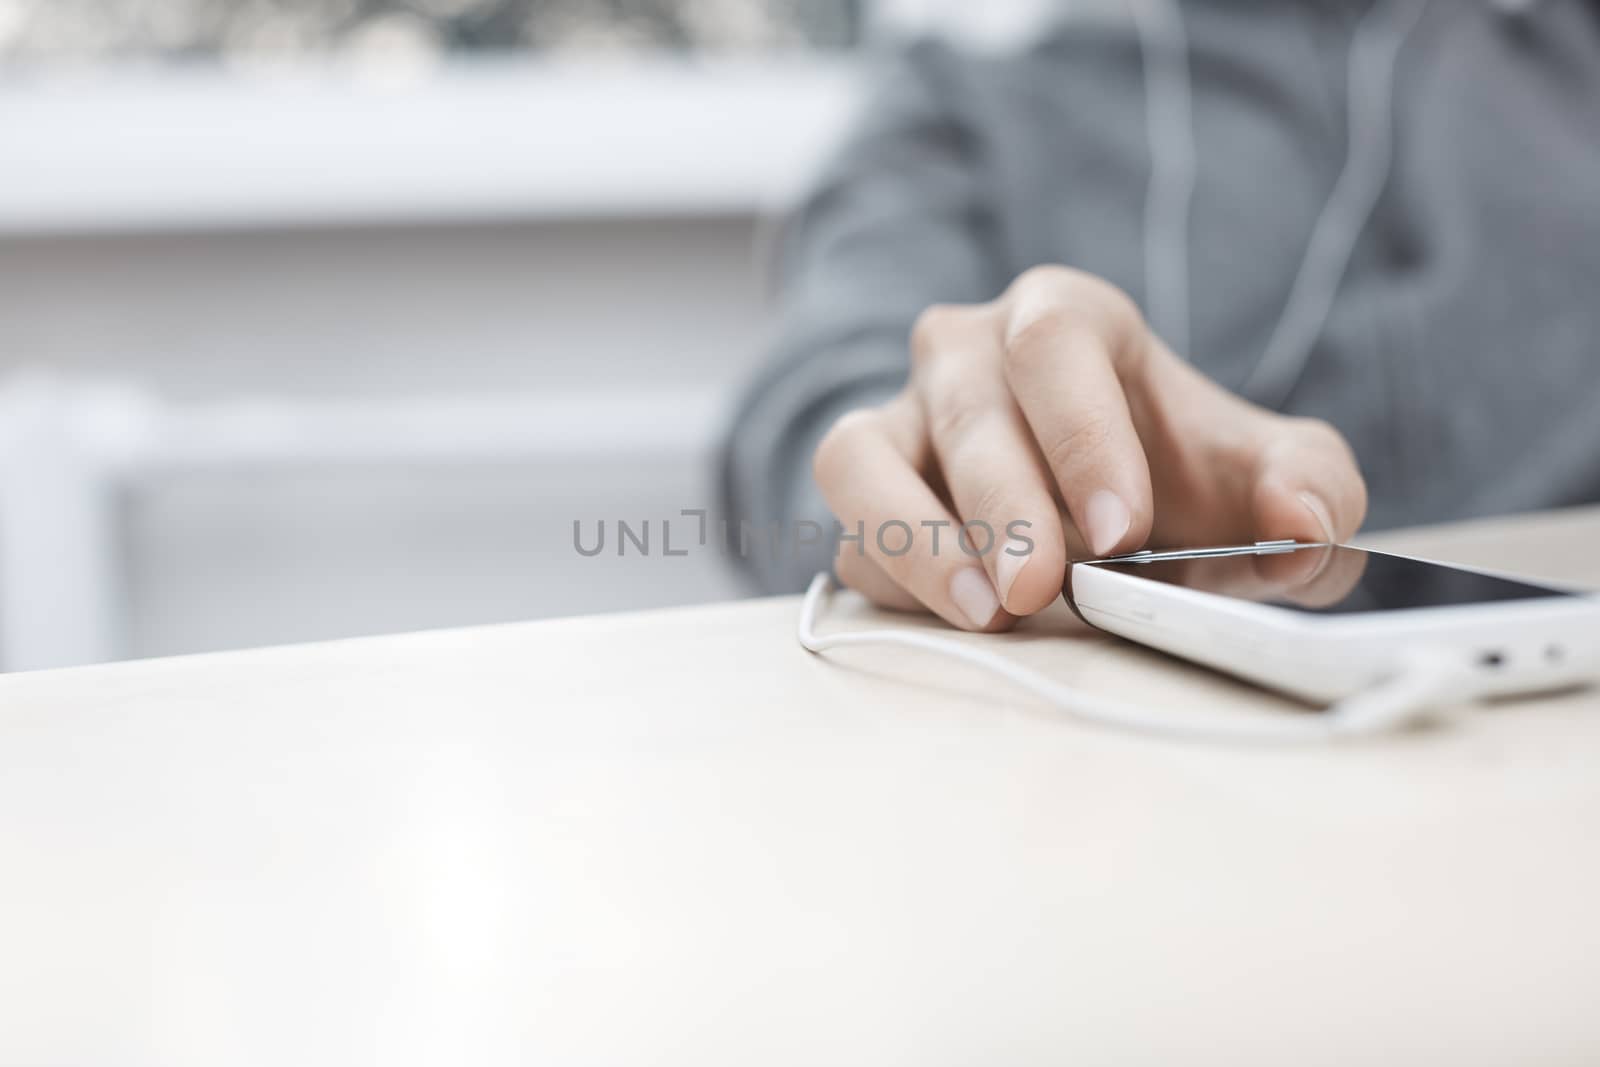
(620, 328)
(224, 558)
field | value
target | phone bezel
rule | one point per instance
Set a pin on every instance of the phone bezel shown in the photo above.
(1324, 657)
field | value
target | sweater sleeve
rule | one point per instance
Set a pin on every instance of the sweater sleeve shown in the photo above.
(899, 220)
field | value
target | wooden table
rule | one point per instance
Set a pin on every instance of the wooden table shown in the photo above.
(674, 838)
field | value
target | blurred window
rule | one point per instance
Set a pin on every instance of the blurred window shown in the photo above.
(52, 31)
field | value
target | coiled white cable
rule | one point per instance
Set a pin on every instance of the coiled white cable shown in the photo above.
(1427, 686)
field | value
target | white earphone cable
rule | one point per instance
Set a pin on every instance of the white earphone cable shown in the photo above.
(1373, 62)
(1426, 686)
(1169, 130)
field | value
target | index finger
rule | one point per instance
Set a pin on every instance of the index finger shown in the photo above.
(1064, 357)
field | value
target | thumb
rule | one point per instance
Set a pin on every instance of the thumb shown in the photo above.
(1307, 485)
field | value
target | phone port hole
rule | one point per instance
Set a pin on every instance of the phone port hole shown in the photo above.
(1554, 653)
(1492, 660)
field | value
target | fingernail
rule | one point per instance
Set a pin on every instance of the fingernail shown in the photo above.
(1013, 558)
(973, 594)
(1106, 520)
(1320, 512)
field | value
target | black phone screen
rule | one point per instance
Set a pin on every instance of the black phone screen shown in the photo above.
(1334, 579)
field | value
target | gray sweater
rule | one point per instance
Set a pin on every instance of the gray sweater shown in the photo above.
(1461, 351)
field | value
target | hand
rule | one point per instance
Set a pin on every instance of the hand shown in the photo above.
(1055, 419)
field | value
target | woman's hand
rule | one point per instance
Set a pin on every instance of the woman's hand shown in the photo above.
(1055, 420)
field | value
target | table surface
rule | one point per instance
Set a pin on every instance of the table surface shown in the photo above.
(676, 838)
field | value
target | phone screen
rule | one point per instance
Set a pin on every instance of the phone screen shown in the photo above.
(1333, 579)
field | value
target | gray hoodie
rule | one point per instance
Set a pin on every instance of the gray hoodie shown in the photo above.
(1460, 349)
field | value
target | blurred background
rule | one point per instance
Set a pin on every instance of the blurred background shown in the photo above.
(329, 317)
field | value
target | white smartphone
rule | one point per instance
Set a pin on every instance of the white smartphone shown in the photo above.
(1321, 622)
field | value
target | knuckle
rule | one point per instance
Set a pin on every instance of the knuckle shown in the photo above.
(1074, 307)
(1115, 317)
(1312, 427)
(1051, 336)
(930, 329)
(841, 445)
(1077, 289)
(1048, 277)
(1320, 432)
(1119, 310)
(1092, 434)
(955, 421)
(1034, 340)
(990, 504)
